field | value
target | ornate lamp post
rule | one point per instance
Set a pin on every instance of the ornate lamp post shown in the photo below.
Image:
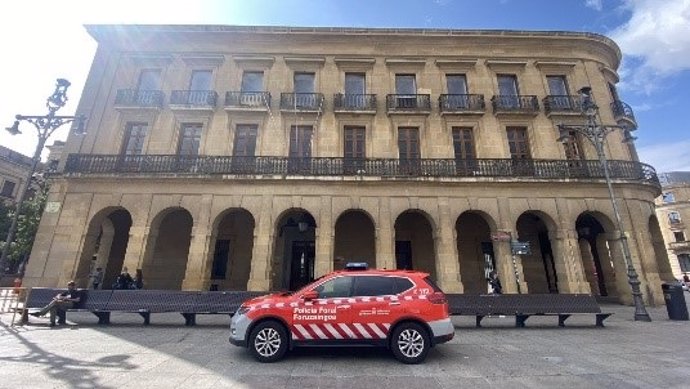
(45, 126)
(597, 134)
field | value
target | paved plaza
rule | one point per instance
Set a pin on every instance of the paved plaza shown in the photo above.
(166, 354)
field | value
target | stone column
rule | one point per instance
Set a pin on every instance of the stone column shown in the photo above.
(324, 239)
(196, 278)
(447, 265)
(385, 237)
(260, 272)
(619, 266)
(571, 274)
(509, 266)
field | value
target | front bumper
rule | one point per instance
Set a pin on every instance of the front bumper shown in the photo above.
(238, 330)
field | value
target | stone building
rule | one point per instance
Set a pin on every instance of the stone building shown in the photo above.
(673, 211)
(14, 168)
(262, 157)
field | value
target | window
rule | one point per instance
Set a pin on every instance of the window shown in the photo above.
(557, 85)
(355, 84)
(245, 141)
(380, 286)
(613, 92)
(456, 84)
(668, 197)
(408, 143)
(679, 236)
(674, 217)
(300, 149)
(150, 80)
(8, 189)
(190, 138)
(573, 149)
(684, 262)
(463, 143)
(405, 84)
(336, 287)
(518, 143)
(354, 149)
(304, 82)
(252, 82)
(200, 81)
(135, 134)
(507, 85)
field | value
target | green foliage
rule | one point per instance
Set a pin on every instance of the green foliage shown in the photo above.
(27, 225)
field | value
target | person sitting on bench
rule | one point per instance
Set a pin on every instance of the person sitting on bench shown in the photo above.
(60, 304)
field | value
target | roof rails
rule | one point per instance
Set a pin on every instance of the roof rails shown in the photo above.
(356, 266)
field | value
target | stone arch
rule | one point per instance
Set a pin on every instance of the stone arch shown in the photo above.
(539, 267)
(165, 260)
(475, 249)
(602, 272)
(230, 253)
(415, 241)
(104, 246)
(294, 249)
(660, 255)
(355, 239)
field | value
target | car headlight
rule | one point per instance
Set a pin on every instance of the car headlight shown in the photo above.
(242, 311)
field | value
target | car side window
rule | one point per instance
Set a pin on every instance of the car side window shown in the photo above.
(380, 286)
(336, 287)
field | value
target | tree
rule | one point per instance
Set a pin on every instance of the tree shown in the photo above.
(27, 225)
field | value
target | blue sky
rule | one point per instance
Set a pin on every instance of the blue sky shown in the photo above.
(43, 40)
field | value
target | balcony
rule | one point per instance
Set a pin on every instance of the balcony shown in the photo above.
(372, 167)
(408, 104)
(515, 104)
(679, 246)
(562, 105)
(133, 98)
(354, 103)
(248, 101)
(623, 114)
(676, 224)
(303, 102)
(462, 104)
(193, 99)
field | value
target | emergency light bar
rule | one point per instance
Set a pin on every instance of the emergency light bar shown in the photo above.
(356, 266)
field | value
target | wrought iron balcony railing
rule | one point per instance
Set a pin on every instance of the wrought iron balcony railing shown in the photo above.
(139, 98)
(373, 167)
(676, 224)
(353, 102)
(555, 104)
(679, 246)
(461, 103)
(252, 100)
(301, 101)
(622, 111)
(408, 103)
(515, 104)
(194, 98)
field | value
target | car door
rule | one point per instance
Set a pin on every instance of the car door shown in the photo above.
(375, 307)
(319, 320)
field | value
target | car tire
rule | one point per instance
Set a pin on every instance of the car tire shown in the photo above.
(410, 343)
(268, 341)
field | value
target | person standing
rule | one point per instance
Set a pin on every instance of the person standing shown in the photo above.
(60, 304)
(97, 278)
(495, 283)
(124, 280)
(138, 280)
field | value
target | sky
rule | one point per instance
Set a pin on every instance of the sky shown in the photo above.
(42, 40)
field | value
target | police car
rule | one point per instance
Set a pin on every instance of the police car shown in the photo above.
(399, 309)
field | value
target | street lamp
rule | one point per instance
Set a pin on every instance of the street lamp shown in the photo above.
(45, 126)
(597, 134)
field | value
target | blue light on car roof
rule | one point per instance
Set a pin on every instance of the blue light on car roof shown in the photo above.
(356, 266)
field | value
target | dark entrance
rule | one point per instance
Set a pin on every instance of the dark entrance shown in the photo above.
(302, 264)
(403, 254)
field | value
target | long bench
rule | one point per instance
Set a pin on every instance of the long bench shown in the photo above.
(145, 302)
(522, 306)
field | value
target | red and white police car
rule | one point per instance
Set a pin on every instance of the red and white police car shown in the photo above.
(400, 309)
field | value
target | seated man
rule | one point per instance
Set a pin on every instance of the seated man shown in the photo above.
(60, 304)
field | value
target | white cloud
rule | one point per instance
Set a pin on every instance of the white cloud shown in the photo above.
(666, 157)
(657, 36)
(594, 4)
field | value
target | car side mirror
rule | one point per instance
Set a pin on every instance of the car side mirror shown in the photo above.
(310, 295)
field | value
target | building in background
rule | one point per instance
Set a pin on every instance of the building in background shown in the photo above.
(14, 168)
(262, 157)
(673, 211)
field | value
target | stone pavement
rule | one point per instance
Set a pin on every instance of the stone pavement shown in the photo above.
(166, 354)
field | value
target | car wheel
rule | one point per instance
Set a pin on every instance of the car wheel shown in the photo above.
(268, 341)
(410, 343)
